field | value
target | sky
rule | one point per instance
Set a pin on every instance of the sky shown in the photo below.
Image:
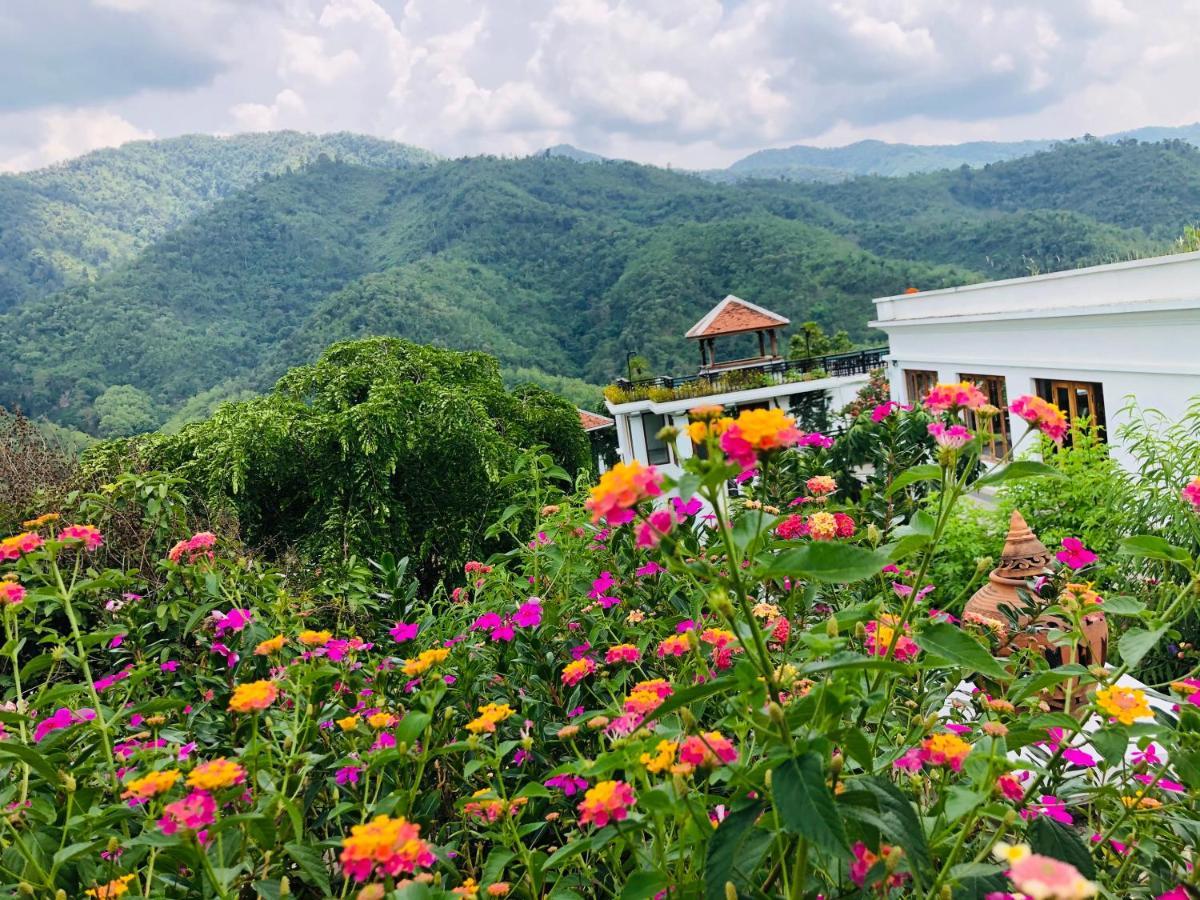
(689, 83)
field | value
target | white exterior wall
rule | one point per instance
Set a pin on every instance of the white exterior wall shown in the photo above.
(631, 439)
(1133, 328)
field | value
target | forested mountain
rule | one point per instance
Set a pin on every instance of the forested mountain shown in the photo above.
(804, 163)
(556, 267)
(72, 221)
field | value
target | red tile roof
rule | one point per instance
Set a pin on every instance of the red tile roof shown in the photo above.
(591, 421)
(733, 315)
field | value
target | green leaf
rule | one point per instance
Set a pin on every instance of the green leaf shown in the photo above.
(643, 884)
(899, 822)
(567, 852)
(1137, 642)
(31, 758)
(1149, 546)
(806, 805)
(1049, 838)
(734, 851)
(411, 727)
(913, 474)
(827, 561)
(955, 645)
(1123, 606)
(906, 545)
(960, 801)
(309, 861)
(68, 853)
(1111, 743)
(694, 694)
(1022, 468)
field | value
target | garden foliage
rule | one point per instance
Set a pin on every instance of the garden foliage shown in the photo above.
(644, 697)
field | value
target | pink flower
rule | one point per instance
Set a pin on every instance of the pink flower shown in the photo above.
(609, 602)
(656, 526)
(881, 634)
(116, 642)
(686, 510)
(1074, 554)
(169, 666)
(89, 534)
(954, 437)
(234, 620)
(568, 784)
(1051, 807)
(1179, 892)
(883, 410)
(1044, 877)
(529, 614)
(1043, 415)
(947, 397)
(601, 585)
(348, 774)
(488, 620)
(59, 719)
(194, 812)
(1191, 493)
(11, 593)
(650, 568)
(403, 631)
(622, 653)
(710, 749)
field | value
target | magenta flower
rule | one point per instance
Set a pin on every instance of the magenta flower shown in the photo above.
(1074, 554)
(402, 631)
(650, 568)
(529, 614)
(348, 774)
(60, 719)
(688, 509)
(568, 784)
(601, 585)
(234, 620)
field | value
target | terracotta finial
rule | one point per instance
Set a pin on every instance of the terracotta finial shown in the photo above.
(1023, 555)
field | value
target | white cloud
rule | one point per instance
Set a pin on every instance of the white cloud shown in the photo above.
(692, 82)
(63, 135)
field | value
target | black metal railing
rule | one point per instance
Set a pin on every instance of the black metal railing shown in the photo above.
(748, 377)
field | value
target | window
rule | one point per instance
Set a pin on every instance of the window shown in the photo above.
(658, 451)
(996, 442)
(917, 383)
(1078, 399)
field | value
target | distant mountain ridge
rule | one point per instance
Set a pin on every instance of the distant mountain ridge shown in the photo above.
(803, 162)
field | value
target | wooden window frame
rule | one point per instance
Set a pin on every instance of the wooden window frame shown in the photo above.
(996, 438)
(917, 383)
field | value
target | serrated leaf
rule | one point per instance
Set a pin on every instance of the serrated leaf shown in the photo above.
(806, 805)
(310, 863)
(1137, 642)
(734, 851)
(899, 823)
(1049, 838)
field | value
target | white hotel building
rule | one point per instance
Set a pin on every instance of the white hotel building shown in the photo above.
(1085, 339)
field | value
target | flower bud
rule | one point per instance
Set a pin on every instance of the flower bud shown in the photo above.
(835, 765)
(687, 717)
(730, 891)
(60, 894)
(68, 783)
(860, 630)
(113, 845)
(874, 535)
(597, 722)
(831, 626)
(285, 887)
(402, 747)
(567, 732)
(680, 784)
(983, 564)
(775, 711)
(892, 860)
(25, 888)
(668, 433)
(1010, 817)
(720, 603)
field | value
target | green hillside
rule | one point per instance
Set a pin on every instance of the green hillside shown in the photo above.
(555, 266)
(72, 221)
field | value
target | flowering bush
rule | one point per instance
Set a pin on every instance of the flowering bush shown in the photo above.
(768, 698)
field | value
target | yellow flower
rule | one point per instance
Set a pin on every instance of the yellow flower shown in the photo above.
(216, 774)
(1124, 704)
(270, 645)
(151, 785)
(315, 638)
(349, 723)
(469, 888)
(425, 661)
(663, 758)
(253, 696)
(1010, 853)
(489, 717)
(381, 720)
(764, 429)
(114, 888)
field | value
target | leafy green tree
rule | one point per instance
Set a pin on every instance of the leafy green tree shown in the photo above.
(124, 410)
(812, 340)
(380, 446)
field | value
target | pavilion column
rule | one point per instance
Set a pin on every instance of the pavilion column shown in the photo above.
(774, 344)
(762, 345)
